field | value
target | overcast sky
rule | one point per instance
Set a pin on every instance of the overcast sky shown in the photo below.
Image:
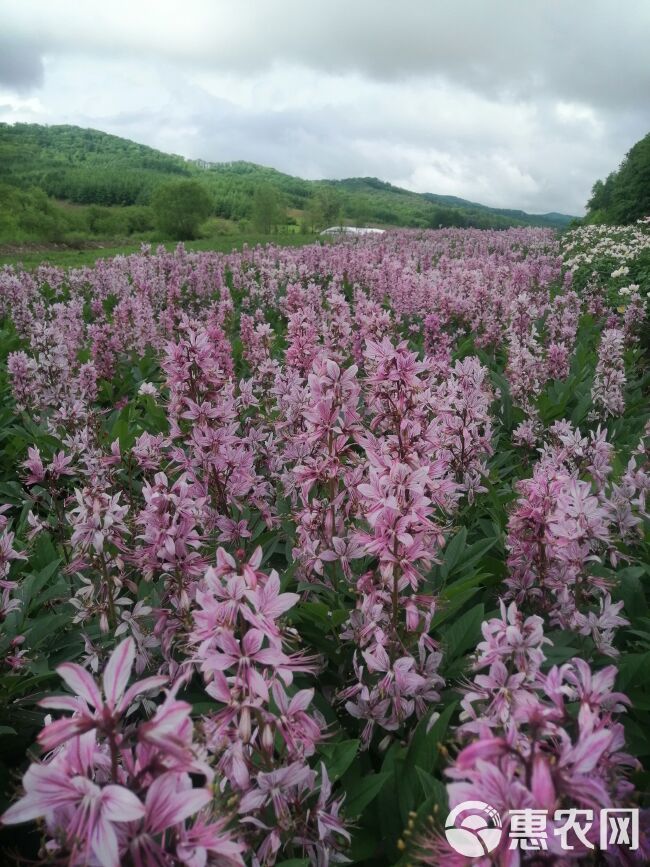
(513, 103)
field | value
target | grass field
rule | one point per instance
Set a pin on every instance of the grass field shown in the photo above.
(69, 258)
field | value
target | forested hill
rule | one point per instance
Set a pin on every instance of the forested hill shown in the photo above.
(84, 165)
(624, 196)
(90, 167)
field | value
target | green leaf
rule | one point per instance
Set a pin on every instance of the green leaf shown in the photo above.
(387, 807)
(631, 669)
(33, 584)
(423, 749)
(459, 588)
(364, 792)
(582, 408)
(120, 429)
(557, 655)
(423, 754)
(457, 600)
(201, 707)
(434, 805)
(636, 738)
(453, 552)
(365, 844)
(427, 782)
(506, 400)
(339, 756)
(473, 553)
(632, 593)
(42, 628)
(44, 552)
(464, 633)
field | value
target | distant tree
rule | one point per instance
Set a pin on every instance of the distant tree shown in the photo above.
(180, 207)
(625, 196)
(600, 204)
(600, 196)
(361, 210)
(325, 208)
(266, 211)
(631, 193)
(27, 215)
(139, 219)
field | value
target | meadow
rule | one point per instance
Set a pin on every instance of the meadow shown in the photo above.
(301, 547)
(28, 257)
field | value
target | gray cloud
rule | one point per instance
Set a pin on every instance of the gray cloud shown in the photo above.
(520, 104)
(593, 50)
(21, 66)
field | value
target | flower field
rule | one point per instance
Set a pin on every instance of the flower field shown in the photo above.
(300, 548)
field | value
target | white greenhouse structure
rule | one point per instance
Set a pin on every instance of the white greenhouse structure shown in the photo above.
(351, 230)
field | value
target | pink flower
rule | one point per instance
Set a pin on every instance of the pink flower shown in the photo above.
(171, 731)
(245, 656)
(170, 801)
(90, 709)
(35, 466)
(91, 812)
(207, 842)
(268, 604)
(7, 555)
(275, 788)
(300, 731)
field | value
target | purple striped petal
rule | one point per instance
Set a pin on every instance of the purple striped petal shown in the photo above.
(81, 683)
(118, 671)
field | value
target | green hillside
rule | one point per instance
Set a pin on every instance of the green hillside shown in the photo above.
(57, 181)
(624, 196)
(83, 165)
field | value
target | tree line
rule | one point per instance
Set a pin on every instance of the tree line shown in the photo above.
(63, 182)
(624, 196)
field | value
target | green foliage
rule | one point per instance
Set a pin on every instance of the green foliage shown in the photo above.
(325, 207)
(601, 197)
(28, 215)
(180, 207)
(25, 214)
(625, 196)
(266, 210)
(382, 202)
(218, 241)
(631, 194)
(92, 168)
(83, 165)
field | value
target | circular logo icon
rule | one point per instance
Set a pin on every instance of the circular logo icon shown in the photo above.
(475, 834)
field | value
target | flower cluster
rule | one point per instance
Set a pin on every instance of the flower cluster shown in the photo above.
(559, 530)
(545, 741)
(395, 658)
(284, 485)
(264, 731)
(114, 788)
(609, 379)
